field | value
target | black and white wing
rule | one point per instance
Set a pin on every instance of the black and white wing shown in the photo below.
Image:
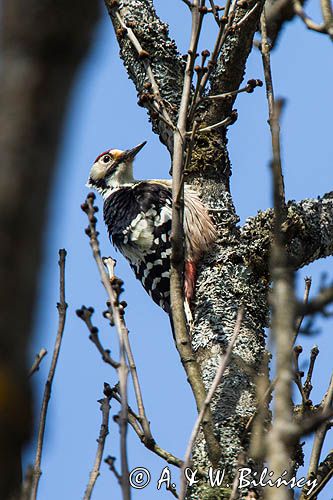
(139, 222)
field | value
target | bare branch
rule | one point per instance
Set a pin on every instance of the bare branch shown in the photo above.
(273, 120)
(311, 25)
(188, 3)
(62, 308)
(85, 313)
(235, 485)
(267, 393)
(305, 426)
(321, 432)
(37, 362)
(104, 431)
(224, 123)
(217, 380)
(110, 461)
(318, 303)
(225, 22)
(283, 299)
(113, 295)
(247, 15)
(327, 11)
(144, 56)
(325, 474)
(134, 421)
(249, 88)
(110, 264)
(308, 385)
(228, 73)
(308, 282)
(215, 11)
(172, 490)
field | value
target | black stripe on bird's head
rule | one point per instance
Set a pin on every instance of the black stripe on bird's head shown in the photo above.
(112, 169)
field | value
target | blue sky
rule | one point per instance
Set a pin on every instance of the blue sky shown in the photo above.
(102, 114)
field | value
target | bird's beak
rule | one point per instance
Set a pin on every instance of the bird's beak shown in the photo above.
(130, 154)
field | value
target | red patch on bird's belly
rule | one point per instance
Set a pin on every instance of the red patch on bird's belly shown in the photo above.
(102, 154)
(190, 279)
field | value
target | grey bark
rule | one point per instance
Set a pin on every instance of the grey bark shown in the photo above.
(42, 44)
(236, 270)
(308, 230)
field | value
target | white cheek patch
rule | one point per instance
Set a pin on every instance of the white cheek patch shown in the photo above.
(97, 172)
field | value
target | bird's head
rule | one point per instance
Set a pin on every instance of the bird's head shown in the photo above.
(112, 169)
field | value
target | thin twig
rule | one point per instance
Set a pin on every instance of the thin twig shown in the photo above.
(249, 88)
(262, 402)
(308, 425)
(318, 303)
(144, 56)
(283, 298)
(308, 282)
(311, 25)
(104, 431)
(273, 112)
(89, 208)
(216, 382)
(134, 421)
(235, 484)
(325, 471)
(38, 359)
(259, 421)
(110, 461)
(110, 264)
(327, 12)
(320, 433)
(62, 308)
(298, 349)
(85, 313)
(247, 15)
(307, 384)
(172, 490)
(224, 123)
(225, 22)
(215, 11)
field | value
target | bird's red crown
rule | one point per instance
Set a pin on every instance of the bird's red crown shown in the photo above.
(102, 154)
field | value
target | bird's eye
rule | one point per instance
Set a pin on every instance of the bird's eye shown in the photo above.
(106, 159)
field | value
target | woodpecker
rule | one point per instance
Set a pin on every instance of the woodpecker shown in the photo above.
(138, 214)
